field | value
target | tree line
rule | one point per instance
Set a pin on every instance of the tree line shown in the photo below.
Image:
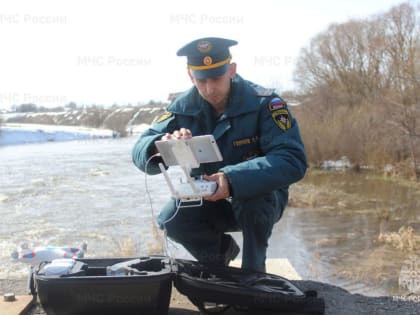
(359, 86)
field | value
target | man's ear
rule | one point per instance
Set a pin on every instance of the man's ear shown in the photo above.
(190, 75)
(232, 70)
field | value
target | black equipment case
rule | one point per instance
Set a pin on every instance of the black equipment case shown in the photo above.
(143, 286)
(140, 286)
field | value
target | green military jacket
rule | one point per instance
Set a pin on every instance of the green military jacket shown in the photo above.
(258, 137)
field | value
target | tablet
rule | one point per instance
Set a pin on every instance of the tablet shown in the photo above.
(191, 152)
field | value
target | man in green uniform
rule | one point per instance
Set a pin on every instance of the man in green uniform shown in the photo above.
(262, 155)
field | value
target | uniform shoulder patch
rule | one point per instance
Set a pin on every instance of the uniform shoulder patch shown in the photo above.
(163, 117)
(280, 113)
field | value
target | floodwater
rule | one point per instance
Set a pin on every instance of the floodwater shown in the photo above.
(64, 193)
(358, 231)
(348, 230)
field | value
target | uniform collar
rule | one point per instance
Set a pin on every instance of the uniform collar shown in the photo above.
(242, 99)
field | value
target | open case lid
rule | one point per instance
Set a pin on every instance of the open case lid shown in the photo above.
(229, 286)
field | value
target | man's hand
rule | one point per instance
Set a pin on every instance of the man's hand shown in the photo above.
(222, 191)
(182, 133)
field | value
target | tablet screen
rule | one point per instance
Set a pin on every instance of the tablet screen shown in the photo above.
(193, 151)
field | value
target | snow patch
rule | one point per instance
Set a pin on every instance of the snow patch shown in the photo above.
(11, 134)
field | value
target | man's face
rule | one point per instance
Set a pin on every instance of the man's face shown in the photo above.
(215, 90)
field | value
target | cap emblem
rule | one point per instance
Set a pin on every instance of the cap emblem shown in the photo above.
(204, 46)
(207, 60)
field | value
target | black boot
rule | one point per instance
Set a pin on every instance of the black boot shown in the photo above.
(229, 249)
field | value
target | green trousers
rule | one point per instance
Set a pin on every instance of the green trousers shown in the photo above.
(200, 228)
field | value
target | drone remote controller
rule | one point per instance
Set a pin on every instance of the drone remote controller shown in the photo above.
(188, 154)
(184, 191)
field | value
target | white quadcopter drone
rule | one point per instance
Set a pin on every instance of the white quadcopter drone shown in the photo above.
(188, 154)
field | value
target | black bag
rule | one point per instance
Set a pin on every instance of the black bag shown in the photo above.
(213, 289)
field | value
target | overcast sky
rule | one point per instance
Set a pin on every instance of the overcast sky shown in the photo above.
(104, 52)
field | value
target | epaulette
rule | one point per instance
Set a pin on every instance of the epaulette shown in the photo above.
(260, 90)
(173, 96)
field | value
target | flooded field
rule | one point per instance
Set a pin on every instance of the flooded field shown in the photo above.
(359, 230)
(349, 229)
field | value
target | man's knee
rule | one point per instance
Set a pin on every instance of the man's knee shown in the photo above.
(166, 215)
(262, 211)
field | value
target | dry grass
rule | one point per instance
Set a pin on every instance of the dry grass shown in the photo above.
(405, 239)
(126, 248)
(363, 133)
(129, 247)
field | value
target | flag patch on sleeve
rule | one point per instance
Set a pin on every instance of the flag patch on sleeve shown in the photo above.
(280, 113)
(277, 103)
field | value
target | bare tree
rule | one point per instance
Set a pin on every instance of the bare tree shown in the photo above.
(403, 43)
(406, 121)
(404, 52)
(350, 75)
(348, 58)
